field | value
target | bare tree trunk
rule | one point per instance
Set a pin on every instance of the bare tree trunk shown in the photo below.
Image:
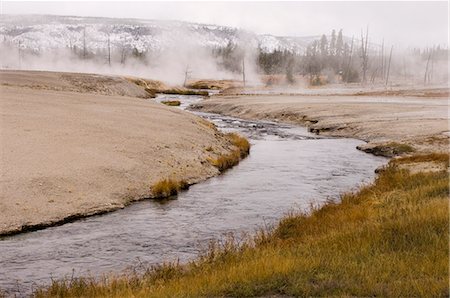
(432, 69)
(365, 57)
(186, 75)
(382, 61)
(20, 54)
(404, 69)
(374, 75)
(389, 66)
(123, 55)
(426, 69)
(84, 43)
(109, 50)
(243, 71)
(349, 61)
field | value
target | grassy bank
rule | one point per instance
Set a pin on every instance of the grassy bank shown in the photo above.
(387, 239)
(229, 160)
(240, 149)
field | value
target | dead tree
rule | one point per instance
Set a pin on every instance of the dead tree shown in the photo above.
(382, 60)
(389, 66)
(84, 43)
(243, 71)
(432, 68)
(349, 61)
(20, 54)
(123, 53)
(109, 49)
(374, 75)
(365, 55)
(426, 77)
(187, 72)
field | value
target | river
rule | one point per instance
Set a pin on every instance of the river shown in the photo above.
(288, 169)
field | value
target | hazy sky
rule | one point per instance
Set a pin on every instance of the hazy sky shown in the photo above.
(408, 23)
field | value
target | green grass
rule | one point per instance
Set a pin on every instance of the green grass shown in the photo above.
(388, 239)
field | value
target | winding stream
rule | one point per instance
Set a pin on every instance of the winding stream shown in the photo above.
(288, 168)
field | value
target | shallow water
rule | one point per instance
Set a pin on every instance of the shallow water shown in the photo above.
(288, 169)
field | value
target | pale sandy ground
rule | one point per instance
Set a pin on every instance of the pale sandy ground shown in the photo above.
(420, 121)
(74, 82)
(68, 154)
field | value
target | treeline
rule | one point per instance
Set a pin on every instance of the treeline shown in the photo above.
(331, 58)
(335, 58)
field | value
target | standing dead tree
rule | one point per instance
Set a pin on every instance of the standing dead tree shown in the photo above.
(427, 75)
(20, 54)
(382, 60)
(243, 71)
(84, 43)
(187, 72)
(109, 49)
(364, 54)
(347, 72)
(389, 66)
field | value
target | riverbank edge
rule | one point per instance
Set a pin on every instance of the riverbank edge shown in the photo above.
(199, 277)
(234, 139)
(387, 148)
(177, 267)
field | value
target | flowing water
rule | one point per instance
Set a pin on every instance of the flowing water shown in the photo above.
(288, 169)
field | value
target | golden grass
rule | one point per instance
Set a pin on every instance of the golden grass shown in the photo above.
(172, 103)
(226, 161)
(168, 187)
(433, 157)
(388, 239)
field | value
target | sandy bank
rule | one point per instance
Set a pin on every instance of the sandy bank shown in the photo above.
(379, 120)
(69, 154)
(73, 82)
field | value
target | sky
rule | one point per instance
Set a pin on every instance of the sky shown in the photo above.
(402, 23)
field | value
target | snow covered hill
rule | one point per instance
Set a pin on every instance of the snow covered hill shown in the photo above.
(39, 32)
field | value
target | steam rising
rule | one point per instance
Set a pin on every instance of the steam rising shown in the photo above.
(167, 52)
(175, 51)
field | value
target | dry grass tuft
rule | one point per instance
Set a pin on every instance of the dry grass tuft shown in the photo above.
(240, 142)
(433, 157)
(226, 161)
(172, 103)
(168, 187)
(389, 239)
